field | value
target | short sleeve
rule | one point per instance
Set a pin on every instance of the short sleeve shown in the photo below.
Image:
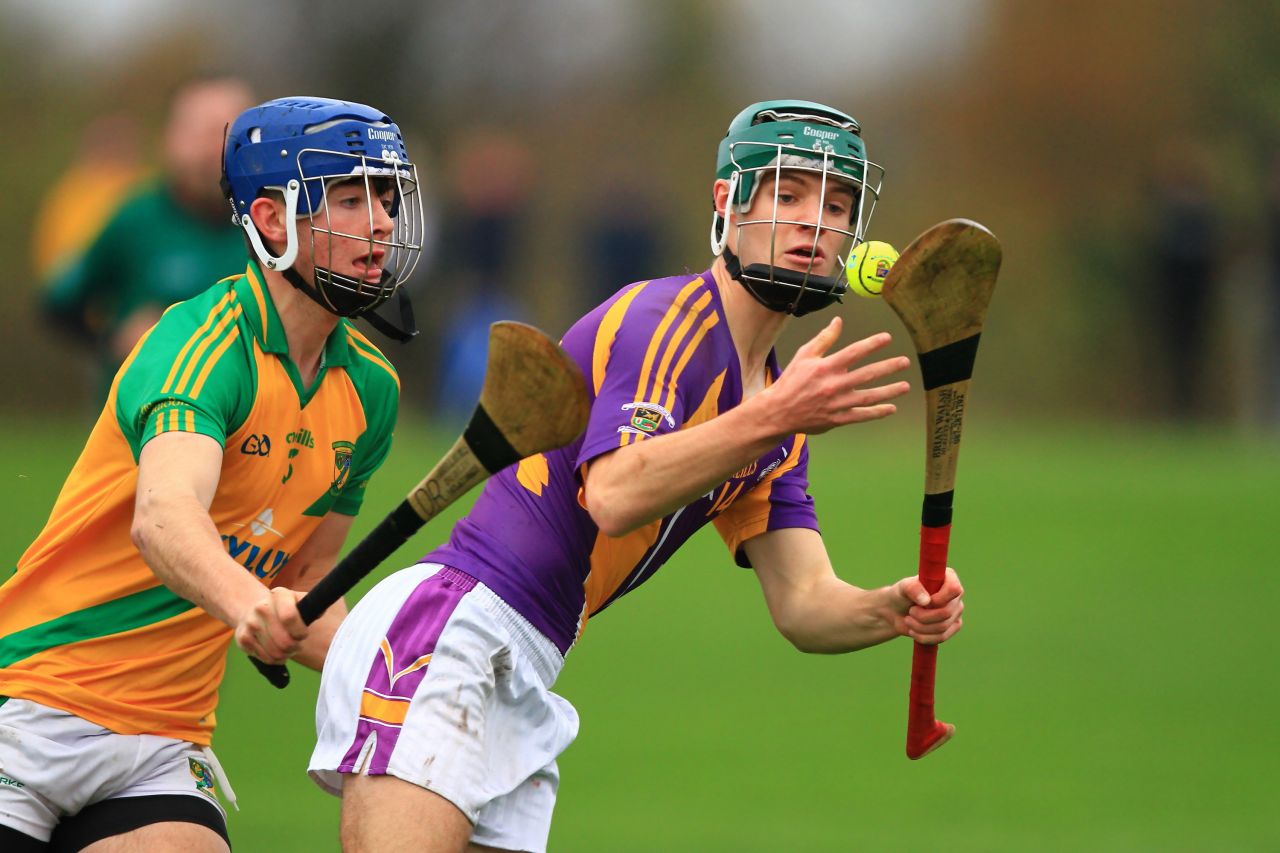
(191, 373)
(779, 500)
(647, 373)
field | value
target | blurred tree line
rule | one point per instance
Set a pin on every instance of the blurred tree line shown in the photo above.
(1049, 127)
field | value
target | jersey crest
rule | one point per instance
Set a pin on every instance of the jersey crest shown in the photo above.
(341, 465)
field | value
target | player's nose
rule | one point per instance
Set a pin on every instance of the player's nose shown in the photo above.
(382, 221)
(809, 209)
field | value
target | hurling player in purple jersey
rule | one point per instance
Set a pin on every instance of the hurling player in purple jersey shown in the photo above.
(436, 698)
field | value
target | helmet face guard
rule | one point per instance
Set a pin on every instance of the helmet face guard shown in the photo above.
(772, 139)
(301, 148)
(400, 249)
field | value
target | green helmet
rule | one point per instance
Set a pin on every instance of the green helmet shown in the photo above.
(762, 131)
(767, 137)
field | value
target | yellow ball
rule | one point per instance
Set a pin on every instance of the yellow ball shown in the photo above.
(868, 266)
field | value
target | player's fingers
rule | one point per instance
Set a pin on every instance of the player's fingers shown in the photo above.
(910, 591)
(951, 589)
(285, 602)
(821, 342)
(937, 613)
(276, 643)
(854, 397)
(280, 640)
(862, 414)
(247, 640)
(273, 639)
(877, 370)
(933, 639)
(858, 350)
(244, 641)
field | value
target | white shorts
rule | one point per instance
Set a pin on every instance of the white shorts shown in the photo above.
(435, 680)
(53, 764)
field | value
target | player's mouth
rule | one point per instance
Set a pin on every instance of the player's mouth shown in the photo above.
(802, 256)
(369, 267)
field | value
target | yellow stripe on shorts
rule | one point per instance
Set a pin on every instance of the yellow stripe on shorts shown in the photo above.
(383, 710)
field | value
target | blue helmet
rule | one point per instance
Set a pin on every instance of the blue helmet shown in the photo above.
(297, 147)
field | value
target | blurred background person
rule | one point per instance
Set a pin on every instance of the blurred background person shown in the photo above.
(1184, 259)
(1271, 368)
(166, 239)
(621, 240)
(106, 166)
(491, 175)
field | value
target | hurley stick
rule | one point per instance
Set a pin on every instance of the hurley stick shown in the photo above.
(940, 288)
(534, 399)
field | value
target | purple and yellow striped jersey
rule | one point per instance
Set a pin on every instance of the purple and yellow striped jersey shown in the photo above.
(658, 357)
(85, 626)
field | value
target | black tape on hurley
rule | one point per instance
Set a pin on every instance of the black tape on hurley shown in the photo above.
(392, 532)
(487, 442)
(950, 363)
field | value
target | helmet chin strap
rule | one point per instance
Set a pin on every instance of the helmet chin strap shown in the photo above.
(783, 290)
(776, 288)
(406, 331)
(295, 278)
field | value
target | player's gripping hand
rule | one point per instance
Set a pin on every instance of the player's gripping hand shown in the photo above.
(818, 392)
(928, 619)
(271, 629)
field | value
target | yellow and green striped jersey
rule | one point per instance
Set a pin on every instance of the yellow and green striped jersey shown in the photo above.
(85, 625)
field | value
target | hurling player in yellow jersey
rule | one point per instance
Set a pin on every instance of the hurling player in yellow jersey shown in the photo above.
(219, 484)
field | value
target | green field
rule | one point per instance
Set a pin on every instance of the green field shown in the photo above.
(1115, 686)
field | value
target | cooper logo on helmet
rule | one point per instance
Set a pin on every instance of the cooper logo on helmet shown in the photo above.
(821, 134)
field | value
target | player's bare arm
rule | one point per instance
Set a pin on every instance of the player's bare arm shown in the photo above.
(178, 474)
(818, 391)
(818, 612)
(304, 570)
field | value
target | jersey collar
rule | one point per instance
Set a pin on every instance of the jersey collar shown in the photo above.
(260, 312)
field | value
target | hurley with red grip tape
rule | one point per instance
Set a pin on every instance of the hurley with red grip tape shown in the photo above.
(940, 288)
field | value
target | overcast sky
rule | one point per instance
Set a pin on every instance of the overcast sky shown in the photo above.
(815, 40)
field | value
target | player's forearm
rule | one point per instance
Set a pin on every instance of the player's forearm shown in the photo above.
(181, 546)
(837, 617)
(653, 478)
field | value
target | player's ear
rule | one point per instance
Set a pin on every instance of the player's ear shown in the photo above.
(268, 217)
(720, 195)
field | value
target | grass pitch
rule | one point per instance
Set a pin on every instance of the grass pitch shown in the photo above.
(1114, 687)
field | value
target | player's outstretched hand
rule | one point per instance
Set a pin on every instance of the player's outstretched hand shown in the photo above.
(820, 391)
(928, 619)
(272, 629)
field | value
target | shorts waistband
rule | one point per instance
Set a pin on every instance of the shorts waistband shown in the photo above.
(546, 658)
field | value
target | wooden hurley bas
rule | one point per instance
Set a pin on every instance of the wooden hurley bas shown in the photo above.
(940, 288)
